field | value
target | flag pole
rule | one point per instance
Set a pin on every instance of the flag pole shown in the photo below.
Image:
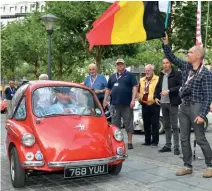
(167, 14)
(206, 32)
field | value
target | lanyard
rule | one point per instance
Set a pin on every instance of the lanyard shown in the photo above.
(12, 90)
(92, 82)
(117, 78)
(146, 86)
(191, 76)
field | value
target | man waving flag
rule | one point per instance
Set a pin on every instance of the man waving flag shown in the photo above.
(127, 22)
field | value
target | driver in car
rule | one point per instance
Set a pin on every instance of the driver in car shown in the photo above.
(63, 103)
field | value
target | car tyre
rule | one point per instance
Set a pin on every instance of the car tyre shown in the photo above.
(161, 126)
(17, 173)
(115, 169)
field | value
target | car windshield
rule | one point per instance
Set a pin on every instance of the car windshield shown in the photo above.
(63, 100)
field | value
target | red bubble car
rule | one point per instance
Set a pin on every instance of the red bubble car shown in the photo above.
(60, 126)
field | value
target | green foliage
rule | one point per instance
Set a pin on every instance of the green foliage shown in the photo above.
(182, 30)
(23, 42)
(24, 45)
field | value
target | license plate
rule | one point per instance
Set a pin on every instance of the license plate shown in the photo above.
(74, 172)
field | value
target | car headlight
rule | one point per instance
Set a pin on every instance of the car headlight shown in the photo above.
(28, 140)
(119, 136)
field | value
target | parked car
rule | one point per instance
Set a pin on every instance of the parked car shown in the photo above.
(3, 105)
(138, 121)
(76, 141)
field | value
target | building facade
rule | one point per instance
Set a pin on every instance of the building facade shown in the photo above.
(17, 10)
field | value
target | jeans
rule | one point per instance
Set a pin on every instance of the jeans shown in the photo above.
(187, 115)
(170, 121)
(150, 114)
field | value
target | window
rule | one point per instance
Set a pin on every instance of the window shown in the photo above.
(42, 8)
(22, 9)
(16, 98)
(20, 114)
(32, 7)
(60, 100)
(12, 9)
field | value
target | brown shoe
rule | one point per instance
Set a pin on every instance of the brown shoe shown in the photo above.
(184, 171)
(207, 173)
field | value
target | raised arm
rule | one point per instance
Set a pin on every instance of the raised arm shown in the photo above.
(183, 65)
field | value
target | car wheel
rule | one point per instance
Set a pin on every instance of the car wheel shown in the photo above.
(115, 169)
(206, 124)
(17, 173)
(161, 126)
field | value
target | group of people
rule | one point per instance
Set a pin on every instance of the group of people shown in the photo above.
(185, 95)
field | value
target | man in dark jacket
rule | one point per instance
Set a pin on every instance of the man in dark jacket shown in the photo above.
(167, 95)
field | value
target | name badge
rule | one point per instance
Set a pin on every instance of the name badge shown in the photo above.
(116, 84)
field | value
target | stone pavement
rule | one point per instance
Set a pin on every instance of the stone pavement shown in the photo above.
(144, 170)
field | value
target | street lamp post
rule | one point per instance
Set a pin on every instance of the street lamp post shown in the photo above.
(49, 20)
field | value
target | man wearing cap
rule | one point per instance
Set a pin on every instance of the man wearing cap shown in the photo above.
(96, 81)
(63, 104)
(122, 86)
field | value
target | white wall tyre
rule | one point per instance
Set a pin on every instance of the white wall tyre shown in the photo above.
(17, 173)
(161, 126)
(206, 124)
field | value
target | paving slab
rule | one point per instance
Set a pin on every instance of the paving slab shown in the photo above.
(145, 170)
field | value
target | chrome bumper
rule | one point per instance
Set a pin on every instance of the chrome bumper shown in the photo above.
(86, 162)
(32, 163)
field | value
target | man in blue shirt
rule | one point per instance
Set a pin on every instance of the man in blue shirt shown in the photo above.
(96, 81)
(9, 93)
(122, 86)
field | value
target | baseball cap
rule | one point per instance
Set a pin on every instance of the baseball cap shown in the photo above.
(120, 60)
(62, 90)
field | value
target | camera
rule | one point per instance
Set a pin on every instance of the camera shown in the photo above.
(185, 91)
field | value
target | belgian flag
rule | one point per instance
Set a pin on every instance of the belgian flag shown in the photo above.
(127, 22)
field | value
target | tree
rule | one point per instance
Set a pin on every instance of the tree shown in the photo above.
(182, 30)
(10, 41)
(23, 42)
(74, 21)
